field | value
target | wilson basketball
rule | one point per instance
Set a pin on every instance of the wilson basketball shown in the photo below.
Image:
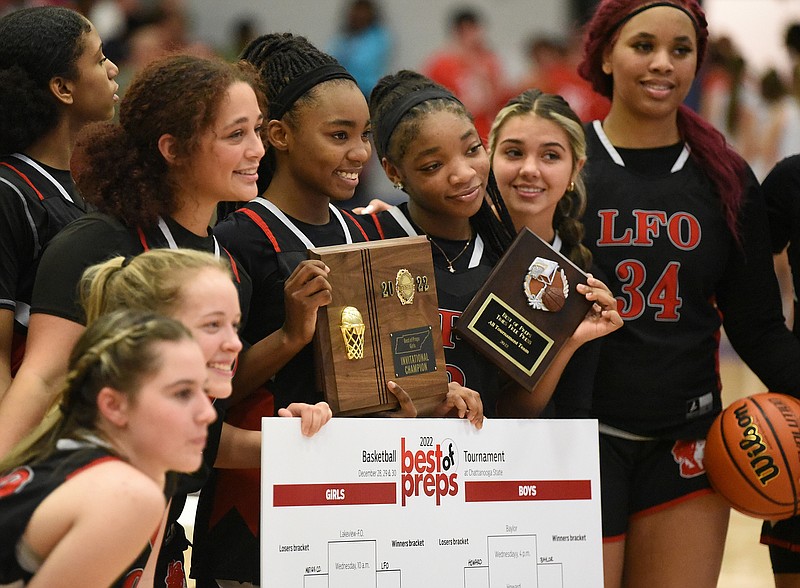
(752, 455)
(553, 298)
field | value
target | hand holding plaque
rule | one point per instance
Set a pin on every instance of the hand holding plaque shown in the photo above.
(382, 324)
(526, 310)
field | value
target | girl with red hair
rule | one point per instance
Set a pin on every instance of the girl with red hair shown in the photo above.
(676, 222)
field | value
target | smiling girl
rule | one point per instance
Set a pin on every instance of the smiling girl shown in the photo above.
(155, 178)
(317, 132)
(676, 221)
(538, 150)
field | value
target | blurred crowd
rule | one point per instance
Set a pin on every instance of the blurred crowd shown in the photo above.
(758, 111)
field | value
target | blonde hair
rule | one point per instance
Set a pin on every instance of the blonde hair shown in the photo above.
(149, 281)
(570, 209)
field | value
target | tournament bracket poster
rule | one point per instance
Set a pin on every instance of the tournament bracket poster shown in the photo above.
(411, 503)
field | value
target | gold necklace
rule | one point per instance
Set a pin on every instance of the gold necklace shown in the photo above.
(449, 261)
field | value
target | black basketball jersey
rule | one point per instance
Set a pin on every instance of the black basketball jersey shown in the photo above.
(677, 272)
(782, 194)
(36, 202)
(270, 245)
(22, 491)
(455, 291)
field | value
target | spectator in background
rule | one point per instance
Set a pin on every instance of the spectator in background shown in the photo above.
(470, 69)
(792, 42)
(781, 127)
(729, 98)
(243, 31)
(363, 45)
(554, 71)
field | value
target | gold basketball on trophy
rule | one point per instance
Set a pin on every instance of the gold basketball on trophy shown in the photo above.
(353, 332)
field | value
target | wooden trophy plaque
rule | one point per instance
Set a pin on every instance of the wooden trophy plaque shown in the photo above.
(526, 310)
(382, 324)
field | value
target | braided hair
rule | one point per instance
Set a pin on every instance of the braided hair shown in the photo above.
(283, 58)
(570, 208)
(124, 173)
(118, 351)
(495, 226)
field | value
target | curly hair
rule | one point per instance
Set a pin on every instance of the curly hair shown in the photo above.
(497, 229)
(36, 45)
(724, 166)
(571, 206)
(122, 171)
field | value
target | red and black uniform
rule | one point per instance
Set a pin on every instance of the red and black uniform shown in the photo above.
(93, 239)
(782, 193)
(655, 226)
(36, 202)
(465, 365)
(269, 245)
(22, 491)
(455, 291)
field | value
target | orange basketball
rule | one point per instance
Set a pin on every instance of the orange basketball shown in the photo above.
(752, 455)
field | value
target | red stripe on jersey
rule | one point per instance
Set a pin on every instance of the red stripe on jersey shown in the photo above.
(233, 266)
(142, 238)
(378, 225)
(24, 177)
(360, 228)
(261, 225)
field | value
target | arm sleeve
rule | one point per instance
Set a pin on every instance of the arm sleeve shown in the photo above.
(749, 298)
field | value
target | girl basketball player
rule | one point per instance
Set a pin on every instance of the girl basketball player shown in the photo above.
(79, 502)
(54, 79)
(538, 149)
(676, 221)
(197, 289)
(156, 178)
(429, 147)
(318, 143)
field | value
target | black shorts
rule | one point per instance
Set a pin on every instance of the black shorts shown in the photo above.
(783, 539)
(640, 477)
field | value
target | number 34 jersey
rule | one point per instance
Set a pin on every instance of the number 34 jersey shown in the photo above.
(677, 273)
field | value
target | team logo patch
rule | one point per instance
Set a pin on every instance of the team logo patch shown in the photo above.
(15, 481)
(176, 576)
(689, 456)
(545, 285)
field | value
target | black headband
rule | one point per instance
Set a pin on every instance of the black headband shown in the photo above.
(648, 6)
(399, 109)
(286, 98)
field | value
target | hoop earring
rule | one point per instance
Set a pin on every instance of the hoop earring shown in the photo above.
(571, 187)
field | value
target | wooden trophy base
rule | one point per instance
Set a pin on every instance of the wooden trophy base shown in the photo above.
(382, 324)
